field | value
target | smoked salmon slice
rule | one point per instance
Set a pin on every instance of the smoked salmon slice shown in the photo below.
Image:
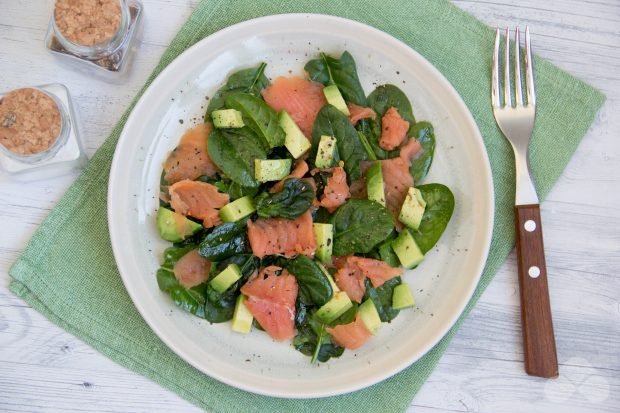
(190, 159)
(301, 98)
(397, 181)
(282, 236)
(350, 336)
(271, 299)
(352, 271)
(299, 170)
(192, 269)
(393, 129)
(197, 199)
(336, 190)
(357, 113)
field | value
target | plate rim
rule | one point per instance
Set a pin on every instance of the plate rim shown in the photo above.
(485, 171)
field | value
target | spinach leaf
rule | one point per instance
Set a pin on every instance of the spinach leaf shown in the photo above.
(313, 340)
(384, 252)
(371, 129)
(425, 134)
(439, 207)
(224, 241)
(382, 298)
(220, 307)
(252, 80)
(191, 300)
(340, 72)
(321, 216)
(311, 279)
(234, 153)
(359, 225)
(293, 200)
(367, 146)
(332, 122)
(387, 96)
(236, 191)
(259, 117)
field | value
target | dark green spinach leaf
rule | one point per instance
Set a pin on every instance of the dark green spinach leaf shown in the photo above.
(439, 207)
(258, 116)
(192, 299)
(382, 298)
(313, 340)
(332, 122)
(220, 307)
(234, 153)
(340, 72)
(425, 134)
(252, 80)
(387, 96)
(384, 252)
(359, 225)
(225, 240)
(293, 200)
(311, 279)
(371, 129)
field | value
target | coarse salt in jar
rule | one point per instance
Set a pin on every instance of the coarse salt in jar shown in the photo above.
(38, 133)
(97, 34)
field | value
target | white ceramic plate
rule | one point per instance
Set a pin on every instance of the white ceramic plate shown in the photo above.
(442, 284)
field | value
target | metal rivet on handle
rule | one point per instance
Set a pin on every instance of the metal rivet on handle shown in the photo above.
(534, 271)
(529, 225)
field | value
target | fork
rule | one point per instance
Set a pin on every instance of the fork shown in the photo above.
(517, 123)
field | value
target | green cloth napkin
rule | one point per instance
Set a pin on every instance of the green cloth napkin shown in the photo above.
(67, 271)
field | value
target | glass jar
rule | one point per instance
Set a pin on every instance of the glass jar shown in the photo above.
(65, 154)
(111, 55)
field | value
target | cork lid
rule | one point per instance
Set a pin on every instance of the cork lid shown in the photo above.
(30, 121)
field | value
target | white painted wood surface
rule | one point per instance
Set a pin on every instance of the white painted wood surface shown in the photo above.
(44, 369)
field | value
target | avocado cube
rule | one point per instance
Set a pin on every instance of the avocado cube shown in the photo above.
(412, 211)
(295, 141)
(266, 170)
(238, 209)
(334, 97)
(242, 317)
(226, 278)
(370, 316)
(325, 154)
(407, 249)
(227, 118)
(374, 183)
(334, 308)
(175, 227)
(402, 297)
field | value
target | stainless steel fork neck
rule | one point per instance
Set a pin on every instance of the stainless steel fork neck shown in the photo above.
(525, 192)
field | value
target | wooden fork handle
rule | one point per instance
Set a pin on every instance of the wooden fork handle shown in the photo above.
(538, 338)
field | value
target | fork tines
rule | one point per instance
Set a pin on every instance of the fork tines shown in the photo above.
(529, 75)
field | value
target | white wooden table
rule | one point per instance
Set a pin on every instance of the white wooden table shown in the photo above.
(42, 368)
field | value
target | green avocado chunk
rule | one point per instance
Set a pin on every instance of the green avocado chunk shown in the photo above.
(413, 209)
(239, 208)
(334, 97)
(295, 141)
(272, 169)
(407, 249)
(242, 317)
(175, 227)
(402, 297)
(370, 316)
(374, 183)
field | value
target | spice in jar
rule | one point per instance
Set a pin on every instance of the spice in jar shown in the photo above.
(88, 22)
(30, 121)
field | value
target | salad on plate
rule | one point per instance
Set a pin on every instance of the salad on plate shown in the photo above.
(297, 205)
